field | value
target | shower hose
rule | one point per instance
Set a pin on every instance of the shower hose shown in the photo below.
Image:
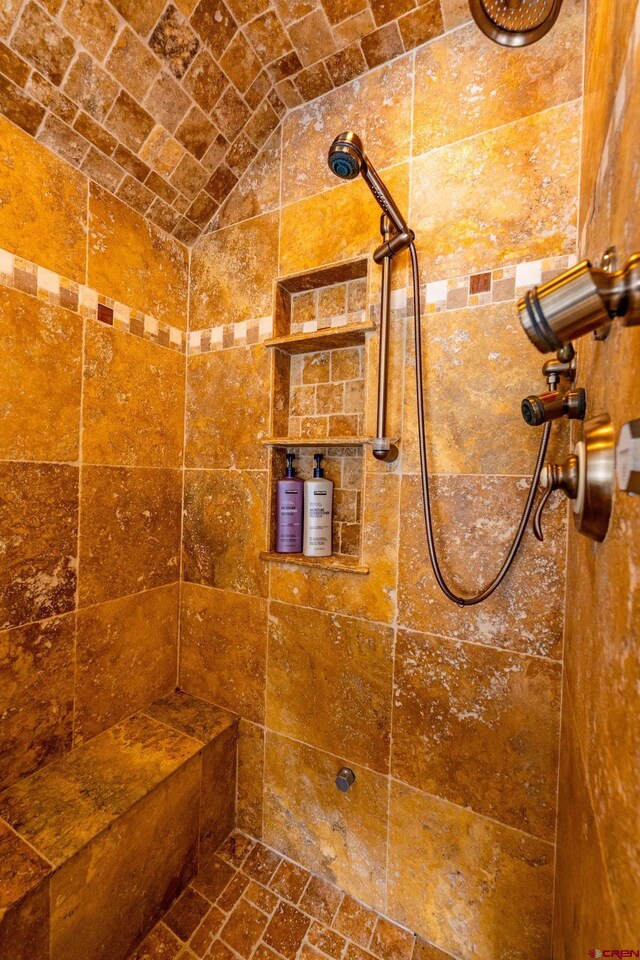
(428, 520)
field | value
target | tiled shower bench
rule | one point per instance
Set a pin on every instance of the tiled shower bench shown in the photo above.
(96, 846)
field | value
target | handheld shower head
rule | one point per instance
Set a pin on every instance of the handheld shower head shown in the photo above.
(347, 159)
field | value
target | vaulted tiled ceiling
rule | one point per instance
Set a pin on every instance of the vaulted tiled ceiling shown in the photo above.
(166, 104)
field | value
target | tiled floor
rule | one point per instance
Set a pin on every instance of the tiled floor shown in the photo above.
(250, 902)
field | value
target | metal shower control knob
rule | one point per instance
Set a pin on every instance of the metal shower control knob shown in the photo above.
(345, 779)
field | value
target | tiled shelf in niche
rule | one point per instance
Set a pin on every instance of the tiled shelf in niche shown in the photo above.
(318, 397)
(338, 563)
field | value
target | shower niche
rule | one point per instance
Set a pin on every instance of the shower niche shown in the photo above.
(318, 396)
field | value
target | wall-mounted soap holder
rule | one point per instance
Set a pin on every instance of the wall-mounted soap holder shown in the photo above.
(586, 478)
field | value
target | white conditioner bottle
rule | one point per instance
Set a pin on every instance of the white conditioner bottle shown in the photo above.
(318, 513)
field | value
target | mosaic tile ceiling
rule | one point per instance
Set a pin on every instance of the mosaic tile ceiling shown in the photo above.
(166, 105)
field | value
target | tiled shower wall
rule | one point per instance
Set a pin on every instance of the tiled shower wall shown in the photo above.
(598, 886)
(92, 322)
(450, 718)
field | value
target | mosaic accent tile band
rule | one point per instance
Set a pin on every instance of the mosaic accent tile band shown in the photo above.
(46, 285)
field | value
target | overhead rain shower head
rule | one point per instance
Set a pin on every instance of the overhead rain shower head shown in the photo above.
(515, 23)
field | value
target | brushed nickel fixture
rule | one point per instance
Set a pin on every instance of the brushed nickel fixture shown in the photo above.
(586, 478)
(515, 23)
(345, 779)
(347, 159)
(582, 299)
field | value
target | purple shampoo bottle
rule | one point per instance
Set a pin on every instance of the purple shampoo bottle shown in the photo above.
(289, 505)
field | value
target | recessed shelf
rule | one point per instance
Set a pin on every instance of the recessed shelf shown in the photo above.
(316, 441)
(329, 338)
(338, 563)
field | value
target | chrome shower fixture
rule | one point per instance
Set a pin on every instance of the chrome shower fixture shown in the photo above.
(347, 159)
(515, 23)
(581, 299)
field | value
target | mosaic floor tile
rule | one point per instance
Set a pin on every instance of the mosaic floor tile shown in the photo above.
(250, 903)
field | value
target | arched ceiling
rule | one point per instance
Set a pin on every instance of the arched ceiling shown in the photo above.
(166, 104)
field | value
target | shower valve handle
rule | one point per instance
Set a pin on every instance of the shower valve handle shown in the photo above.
(556, 476)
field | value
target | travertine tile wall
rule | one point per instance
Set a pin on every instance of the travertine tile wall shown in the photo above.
(450, 718)
(93, 318)
(167, 103)
(597, 902)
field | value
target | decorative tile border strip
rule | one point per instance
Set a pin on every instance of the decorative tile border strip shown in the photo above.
(20, 274)
(241, 334)
(479, 289)
(323, 323)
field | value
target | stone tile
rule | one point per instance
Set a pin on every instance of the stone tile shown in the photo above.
(135, 194)
(126, 873)
(130, 535)
(213, 876)
(42, 42)
(214, 553)
(214, 24)
(205, 81)
(132, 64)
(218, 794)
(268, 37)
(261, 897)
(64, 141)
(261, 863)
(391, 942)
(141, 16)
(90, 86)
(243, 928)
(426, 951)
(250, 778)
(231, 113)
(236, 848)
(482, 344)
(321, 900)
(126, 657)
(13, 67)
(421, 25)
(528, 197)
(133, 401)
(167, 102)
(174, 41)
(133, 262)
(196, 133)
(87, 127)
(19, 108)
(328, 941)
(221, 182)
(223, 649)
(24, 903)
(220, 434)
(382, 45)
(51, 234)
(232, 893)
(67, 804)
(478, 727)
(39, 395)
(240, 63)
(259, 191)
(439, 855)
(289, 881)
(310, 696)
(341, 837)
(159, 944)
(129, 121)
(305, 242)
(186, 913)
(355, 921)
(313, 81)
(287, 930)
(467, 85)
(526, 613)
(203, 938)
(36, 667)
(224, 294)
(191, 716)
(93, 22)
(39, 525)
